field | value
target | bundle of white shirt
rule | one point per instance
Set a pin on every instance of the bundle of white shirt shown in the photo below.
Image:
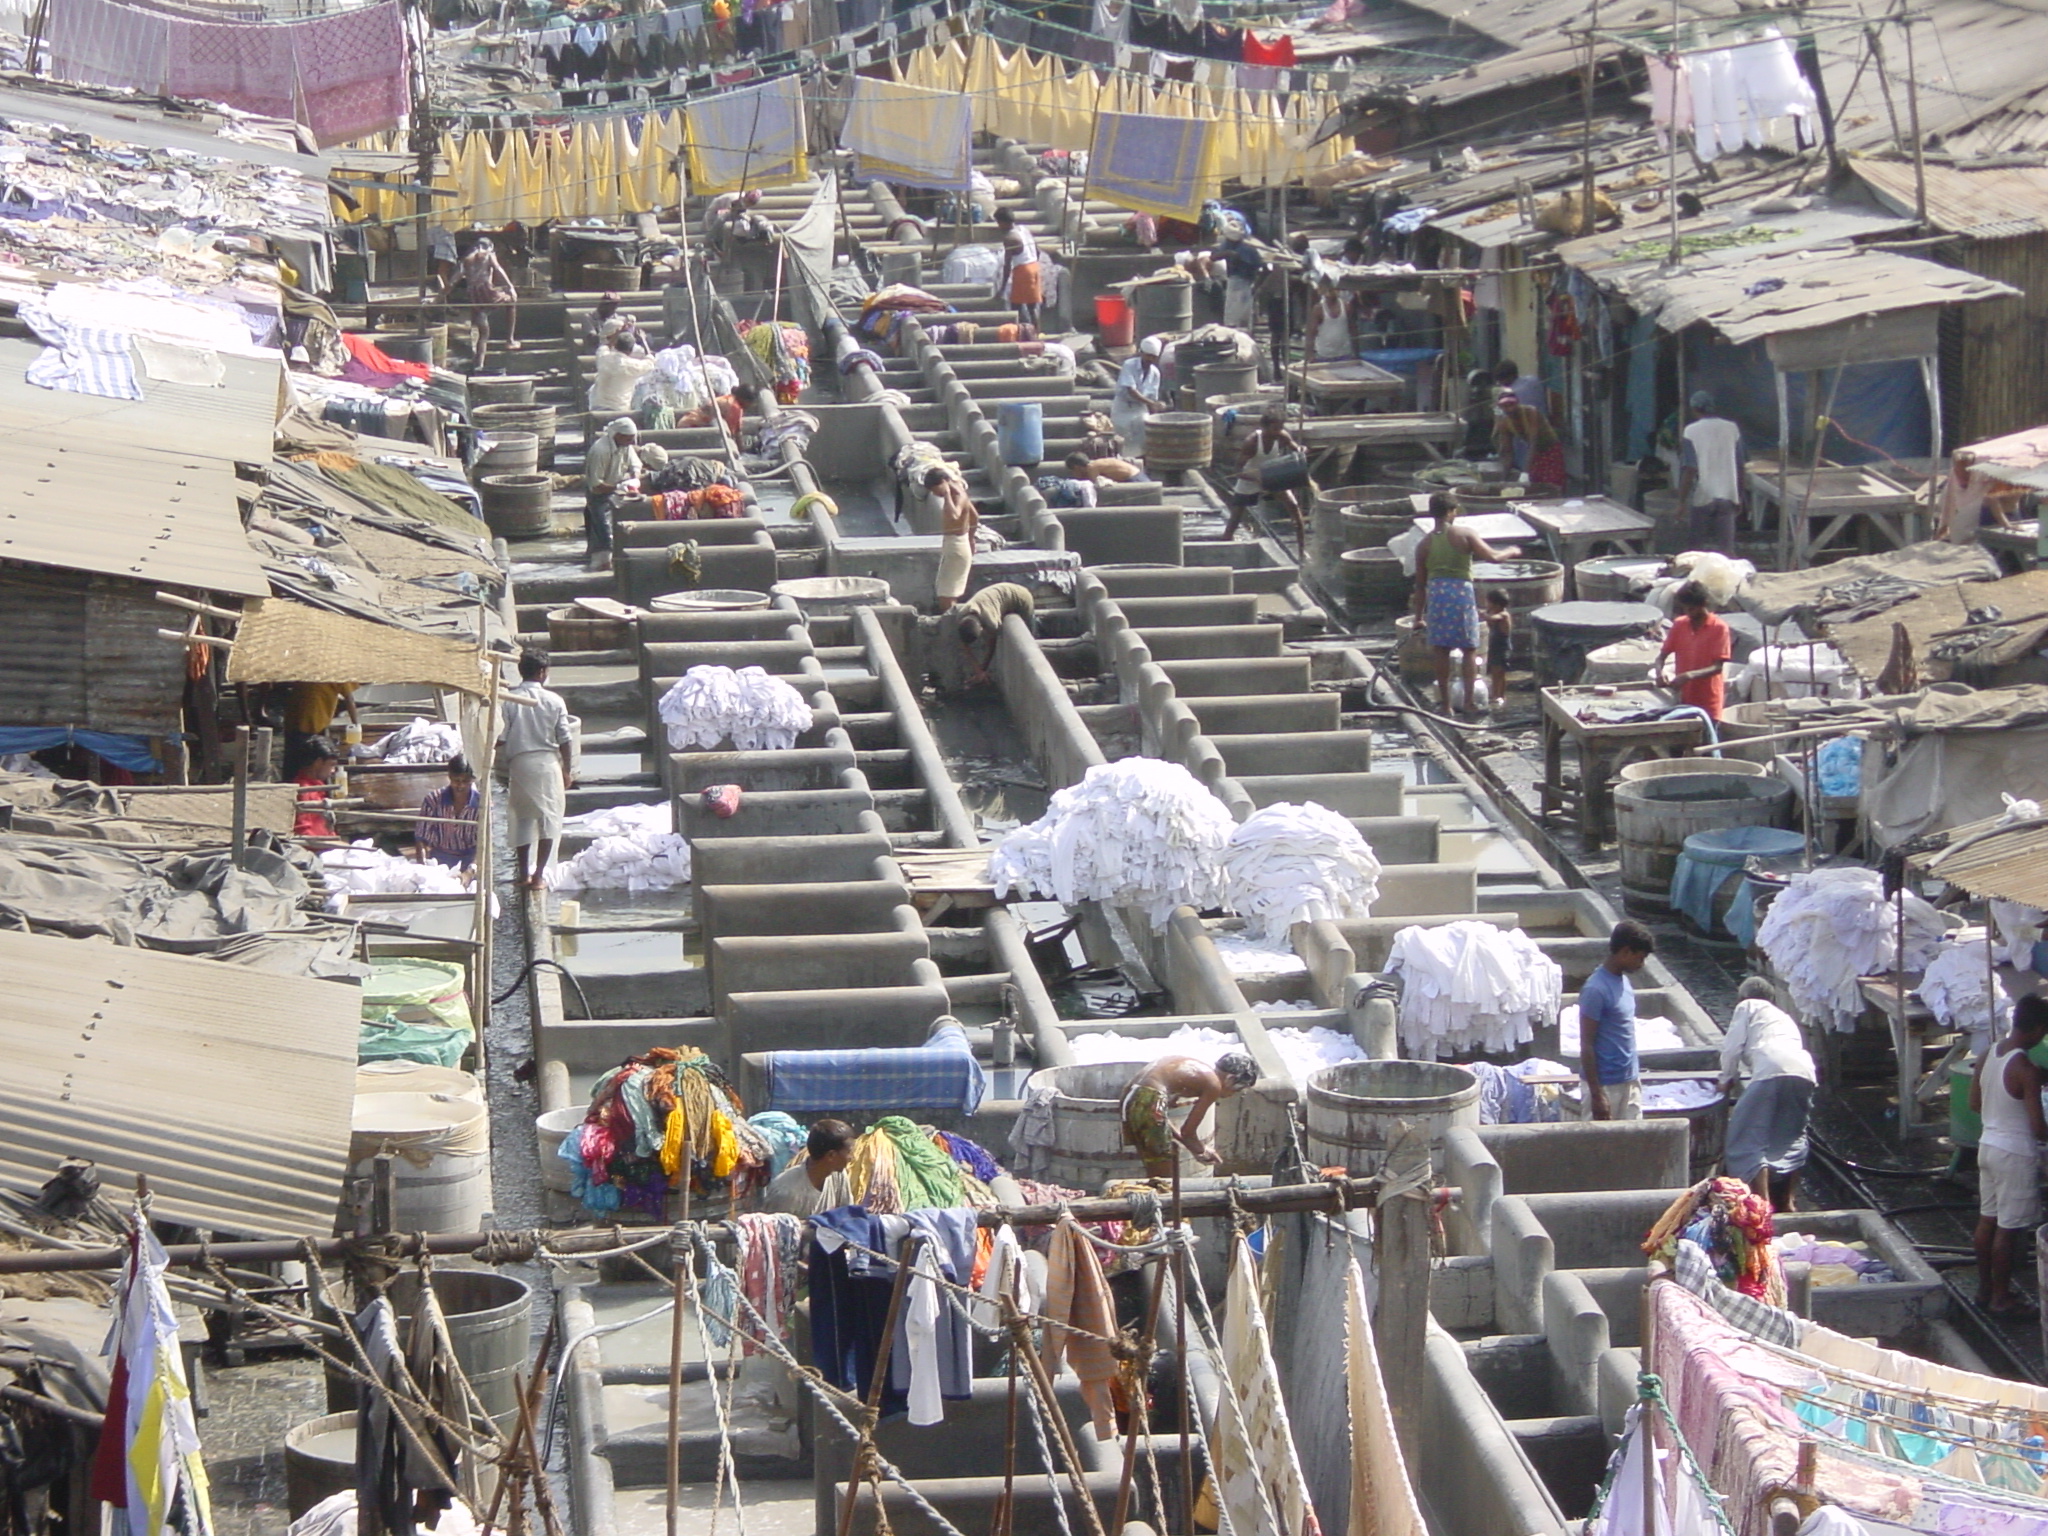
(758, 713)
(644, 861)
(419, 741)
(1137, 833)
(1956, 987)
(1291, 864)
(1307, 1051)
(364, 869)
(1471, 987)
(1830, 926)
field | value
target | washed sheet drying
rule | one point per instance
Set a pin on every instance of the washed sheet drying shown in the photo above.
(635, 850)
(756, 712)
(363, 869)
(1291, 864)
(1829, 927)
(1472, 987)
(1136, 833)
(419, 741)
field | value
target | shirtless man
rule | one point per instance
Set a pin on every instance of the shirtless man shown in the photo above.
(958, 519)
(1173, 1080)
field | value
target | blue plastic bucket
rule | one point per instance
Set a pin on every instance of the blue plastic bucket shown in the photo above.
(1020, 432)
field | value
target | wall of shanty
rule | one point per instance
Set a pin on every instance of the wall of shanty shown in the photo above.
(82, 650)
(1994, 378)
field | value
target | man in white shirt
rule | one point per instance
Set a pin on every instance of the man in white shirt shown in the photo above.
(538, 751)
(1766, 1145)
(1710, 476)
(816, 1181)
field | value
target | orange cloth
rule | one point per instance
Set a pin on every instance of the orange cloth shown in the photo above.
(1077, 1294)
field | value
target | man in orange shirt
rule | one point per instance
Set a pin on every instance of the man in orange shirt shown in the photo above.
(1700, 642)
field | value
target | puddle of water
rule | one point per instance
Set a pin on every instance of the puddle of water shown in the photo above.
(630, 949)
(634, 909)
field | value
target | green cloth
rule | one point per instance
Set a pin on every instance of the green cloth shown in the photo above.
(426, 992)
(926, 1177)
(437, 1045)
(385, 486)
(1442, 557)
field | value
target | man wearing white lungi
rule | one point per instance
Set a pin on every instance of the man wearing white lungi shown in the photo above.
(537, 750)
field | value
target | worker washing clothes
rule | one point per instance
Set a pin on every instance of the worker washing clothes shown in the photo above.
(615, 373)
(1140, 390)
(612, 462)
(1710, 476)
(981, 622)
(1020, 282)
(446, 833)
(2007, 1093)
(1269, 440)
(1445, 602)
(313, 818)
(1243, 264)
(1528, 388)
(1528, 444)
(1174, 1080)
(816, 1181)
(1766, 1140)
(958, 518)
(538, 750)
(1698, 646)
(1613, 1088)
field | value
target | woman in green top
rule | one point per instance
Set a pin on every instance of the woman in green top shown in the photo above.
(1445, 600)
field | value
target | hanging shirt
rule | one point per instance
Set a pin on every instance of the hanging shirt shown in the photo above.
(1607, 1004)
(1707, 644)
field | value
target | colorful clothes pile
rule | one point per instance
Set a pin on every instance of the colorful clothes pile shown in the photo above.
(785, 351)
(1732, 1225)
(901, 1166)
(656, 1122)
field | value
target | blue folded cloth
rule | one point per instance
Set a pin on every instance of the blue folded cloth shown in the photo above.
(940, 1074)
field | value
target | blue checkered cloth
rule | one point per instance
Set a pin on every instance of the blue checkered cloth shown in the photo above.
(940, 1074)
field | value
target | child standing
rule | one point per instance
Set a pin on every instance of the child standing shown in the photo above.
(1500, 625)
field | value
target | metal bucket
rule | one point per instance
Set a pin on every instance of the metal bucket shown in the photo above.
(1357, 1111)
(537, 419)
(1614, 578)
(1178, 440)
(1374, 583)
(505, 453)
(501, 389)
(319, 1460)
(1654, 816)
(489, 1317)
(1088, 1147)
(1166, 307)
(519, 506)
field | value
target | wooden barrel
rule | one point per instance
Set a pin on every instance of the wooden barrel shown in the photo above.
(1374, 583)
(1088, 1147)
(578, 629)
(415, 347)
(537, 419)
(501, 389)
(319, 1460)
(519, 506)
(1614, 578)
(1178, 440)
(610, 277)
(1232, 378)
(1565, 632)
(1527, 585)
(443, 1176)
(1357, 1111)
(1668, 767)
(505, 453)
(489, 1317)
(1654, 816)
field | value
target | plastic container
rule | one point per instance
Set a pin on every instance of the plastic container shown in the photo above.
(1163, 307)
(1020, 433)
(1653, 817)
(550, 1131)
(319, 1460)
(1112, 320)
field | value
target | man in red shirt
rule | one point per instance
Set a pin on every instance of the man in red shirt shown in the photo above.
(1701, 643)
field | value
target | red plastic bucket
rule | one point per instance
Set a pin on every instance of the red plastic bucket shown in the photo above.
(1113, 319)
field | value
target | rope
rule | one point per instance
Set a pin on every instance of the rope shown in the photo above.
(1650, 1394)
(1052, 1480)
(684, 1253)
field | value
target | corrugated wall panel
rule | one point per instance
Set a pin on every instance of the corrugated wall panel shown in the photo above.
(2001, 382)
(83, 650)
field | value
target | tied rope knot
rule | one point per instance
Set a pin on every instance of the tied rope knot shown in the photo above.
(1145, 1210)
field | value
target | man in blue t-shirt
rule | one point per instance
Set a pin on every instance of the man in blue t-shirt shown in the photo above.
(1607, 1028)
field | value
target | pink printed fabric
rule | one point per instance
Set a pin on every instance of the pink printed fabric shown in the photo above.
(245, 66)
(352, 74)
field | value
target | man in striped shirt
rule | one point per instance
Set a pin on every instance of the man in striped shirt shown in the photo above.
(447, 827)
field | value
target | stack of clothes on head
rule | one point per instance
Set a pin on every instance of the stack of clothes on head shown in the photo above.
(1731, 1223)
(660, 1123)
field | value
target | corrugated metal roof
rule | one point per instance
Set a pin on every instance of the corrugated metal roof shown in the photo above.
(81, 649)
(1986, 205)
(143, 489)
(231, 1089)
(2011, 866)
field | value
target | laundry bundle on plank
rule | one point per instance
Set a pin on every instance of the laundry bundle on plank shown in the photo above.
(658, 1122)
(1472, 987)
(1134, 833)
(636, 849)
(1830, 926)
(418, 741)
(754, 711)
(364, 869)
(1732, 1224)
(1957, 987)
(1291, 864)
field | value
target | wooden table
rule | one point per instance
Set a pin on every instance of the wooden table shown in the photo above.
(1912, 1038)
(1324, 437)
(2017, 548)
(1605, 749)
(1841, 497)
(1578, 528)
(1327, 383)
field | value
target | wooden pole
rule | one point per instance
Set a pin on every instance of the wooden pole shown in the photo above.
(1913, 122)
(1401, 1325)
(238, 836)
(1180, 1349)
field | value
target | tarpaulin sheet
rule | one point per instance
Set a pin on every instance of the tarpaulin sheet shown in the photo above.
(1934, 619)
(130, 752)
(1152, 164)
(1951, 708)
(907, 134)
(1952, 778)
(1773, 598)
(189, 903)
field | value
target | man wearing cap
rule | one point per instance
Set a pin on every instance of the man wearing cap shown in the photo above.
(1710, 479)
(1173, 1080)
(610, 462)
(1139, 388)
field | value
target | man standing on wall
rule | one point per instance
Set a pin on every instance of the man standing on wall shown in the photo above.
(1613, 1087)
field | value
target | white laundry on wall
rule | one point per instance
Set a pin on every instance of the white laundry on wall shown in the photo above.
(758, 713)
(1291, 864)
(1830, 926)
(636, 849)
(1471, 986)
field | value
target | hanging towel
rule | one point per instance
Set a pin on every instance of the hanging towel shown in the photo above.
(1077, 1294)
(1258, 1473)
(1670, 94)
(351, 72)
(752, 137)
(1382, 1499)
(906, 134)
(1149, 164)
(96, 42)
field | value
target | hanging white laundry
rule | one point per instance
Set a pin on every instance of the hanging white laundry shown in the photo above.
(1956, 988)
(1830, 926)
(1291, 864)
(1768, 79)
(2019, 928)
(758, 713)
(1670, 95)
(1470, 986)
(1716, 104)
(1138, 832)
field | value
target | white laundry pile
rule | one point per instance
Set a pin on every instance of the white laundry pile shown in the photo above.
(1135, 833)
(1291, 864)
(1196, 1040)
(2021, 929)
(420, 741)
(757, 712)
(635, 850)
(1285, 1005)
(1794, 672)
(1471, 987)
(364, 869)
(1830, 926)
(1721, 576)
(1308, 1051)
(1652, 1034)
(1686, 1093)
(977, 264)
(1957, 984)
(681, 379)
(1248, 956)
